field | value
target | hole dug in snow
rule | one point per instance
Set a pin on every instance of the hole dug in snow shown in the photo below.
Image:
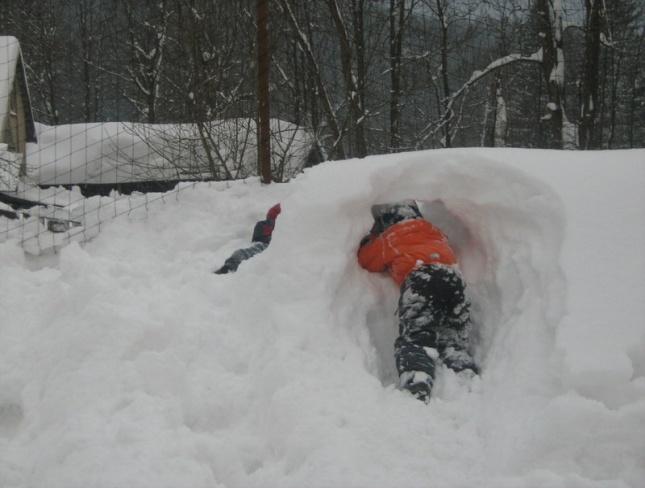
(507, 230)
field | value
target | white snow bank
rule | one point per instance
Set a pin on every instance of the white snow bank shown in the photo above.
(126, 362)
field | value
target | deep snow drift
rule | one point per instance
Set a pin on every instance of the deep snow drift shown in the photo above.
(125, 362)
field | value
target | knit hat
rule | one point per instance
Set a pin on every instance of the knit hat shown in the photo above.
(388, 214)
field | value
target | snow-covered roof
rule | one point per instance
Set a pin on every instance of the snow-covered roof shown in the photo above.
(125, 152)
(9, 55)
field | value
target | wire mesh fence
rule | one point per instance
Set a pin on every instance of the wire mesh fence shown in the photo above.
(106, 105)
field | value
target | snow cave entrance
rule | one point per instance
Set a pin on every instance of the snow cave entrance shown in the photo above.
(509, 251)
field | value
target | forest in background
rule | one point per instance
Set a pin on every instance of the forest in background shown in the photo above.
(364, 76)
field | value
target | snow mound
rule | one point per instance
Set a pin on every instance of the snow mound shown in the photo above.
(132, 364)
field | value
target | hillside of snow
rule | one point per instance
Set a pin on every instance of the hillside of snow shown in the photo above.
(126, 362)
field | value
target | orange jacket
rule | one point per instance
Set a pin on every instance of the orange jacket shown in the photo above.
(403, 246)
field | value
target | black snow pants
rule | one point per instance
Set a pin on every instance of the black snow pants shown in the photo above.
(434, 322)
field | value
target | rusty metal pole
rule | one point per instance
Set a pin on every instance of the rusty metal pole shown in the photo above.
(264, 130)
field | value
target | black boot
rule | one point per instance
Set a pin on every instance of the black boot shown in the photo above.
(418, 384)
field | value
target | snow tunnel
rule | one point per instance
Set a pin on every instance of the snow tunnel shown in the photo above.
(507, 229)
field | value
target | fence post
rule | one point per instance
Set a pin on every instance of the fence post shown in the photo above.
(263, 63)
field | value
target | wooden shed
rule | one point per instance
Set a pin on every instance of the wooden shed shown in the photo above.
(17, 126)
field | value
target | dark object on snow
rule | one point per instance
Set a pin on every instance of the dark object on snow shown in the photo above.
(124, 188)
(9, 214)
(434, 318)
(18, 205)
(262, 233)
(17, 202)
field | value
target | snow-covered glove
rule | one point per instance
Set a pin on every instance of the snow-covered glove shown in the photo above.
(418, 383)
(230, 265)
(458, 366)
(234, 261)
(224, 269)
(458, 360)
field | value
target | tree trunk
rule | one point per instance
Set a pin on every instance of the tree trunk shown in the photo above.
(550, 25)
(305, 45)
(263, 64)
(441, 12)
(397, 20)
(358, 16)
(589, 93)
(351, 88)
(616, 62)
(501, 115)
(488, 131)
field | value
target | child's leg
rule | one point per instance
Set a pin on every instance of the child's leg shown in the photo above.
(454, 348)
(416, 348)
(453, 336)
(433, 322)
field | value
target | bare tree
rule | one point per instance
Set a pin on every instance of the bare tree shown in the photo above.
(38, 25)
(448, 114)
(591, 74)
(636, 84)
(363, 76)
(147, 38)
(563, 132)
(397, 20)
(304, 42)
(353, 71)
(93, 41)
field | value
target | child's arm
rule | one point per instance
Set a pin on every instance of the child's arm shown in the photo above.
(371, 255)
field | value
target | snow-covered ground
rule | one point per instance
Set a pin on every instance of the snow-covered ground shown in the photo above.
(125, 362)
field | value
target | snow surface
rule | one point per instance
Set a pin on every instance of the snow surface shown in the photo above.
(125, 362)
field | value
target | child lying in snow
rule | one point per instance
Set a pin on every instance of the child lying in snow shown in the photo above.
(434, 318)
(261, 239)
